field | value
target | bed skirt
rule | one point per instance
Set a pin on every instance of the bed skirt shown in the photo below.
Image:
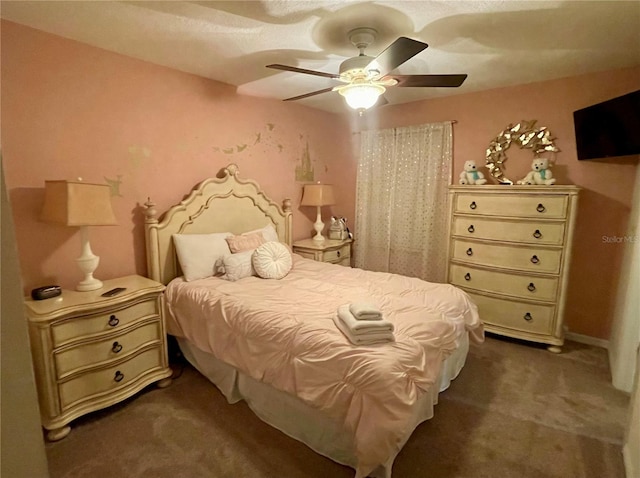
(298, 420)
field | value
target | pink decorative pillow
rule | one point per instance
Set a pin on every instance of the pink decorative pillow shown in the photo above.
(268, 231)
(245, 242)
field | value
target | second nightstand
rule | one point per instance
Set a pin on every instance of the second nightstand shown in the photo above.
(90, 351)
(329, 250)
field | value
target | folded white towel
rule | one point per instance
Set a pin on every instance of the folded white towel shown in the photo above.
(362, 326)
(365, 311)
(363, 339)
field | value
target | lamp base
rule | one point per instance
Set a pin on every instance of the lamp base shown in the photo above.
(318, 226)
(87, 262)
(89, 284)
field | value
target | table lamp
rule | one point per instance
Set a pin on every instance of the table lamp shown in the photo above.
(317, 195)
(76, 203)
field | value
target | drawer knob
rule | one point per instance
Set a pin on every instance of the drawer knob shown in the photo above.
(338, 253)
(113, 321)
(471, 229)
(117, 347)
(118, 376)
(537, 234)
(467, 276)
(528, 317)
(469, 252)
(535, 259)
(531, 287)
(541, 208)
(472, 205)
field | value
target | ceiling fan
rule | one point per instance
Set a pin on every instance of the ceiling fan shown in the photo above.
(367, 77)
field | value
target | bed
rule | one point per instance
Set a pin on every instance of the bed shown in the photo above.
(274, 343)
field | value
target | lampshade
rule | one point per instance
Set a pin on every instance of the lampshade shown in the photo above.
(76, 203)
(361, 95)
(317, 195)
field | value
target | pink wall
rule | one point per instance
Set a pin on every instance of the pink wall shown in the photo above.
(605, 200)
(70, 110)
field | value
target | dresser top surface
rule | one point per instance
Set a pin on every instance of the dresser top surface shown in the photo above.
(70, 299)
(556, 188)
(321, 245)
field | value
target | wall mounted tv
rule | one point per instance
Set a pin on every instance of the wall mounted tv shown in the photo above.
(609, 129)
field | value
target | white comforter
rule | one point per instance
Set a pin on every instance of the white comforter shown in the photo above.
(282, 332)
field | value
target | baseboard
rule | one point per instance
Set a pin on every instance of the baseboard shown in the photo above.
(628, 462)
(586, 339)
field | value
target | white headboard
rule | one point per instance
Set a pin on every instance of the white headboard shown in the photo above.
(222, 204)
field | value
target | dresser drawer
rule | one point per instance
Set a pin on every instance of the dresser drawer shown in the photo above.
(115, 346)
(65, 331)
(521, 286)
(107, 380)
(510, 231)
(512, 205)
(520, 316)
(533, 259)
(307, 255)
(338, 255)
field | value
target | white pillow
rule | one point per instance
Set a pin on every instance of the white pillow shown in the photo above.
(236, 266)
(272, 260)
(198, 253)
(268, 231)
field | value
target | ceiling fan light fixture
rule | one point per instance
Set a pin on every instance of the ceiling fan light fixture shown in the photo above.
(365, 78)
(361, 96)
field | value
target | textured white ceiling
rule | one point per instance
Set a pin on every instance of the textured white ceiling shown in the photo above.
(497, 43)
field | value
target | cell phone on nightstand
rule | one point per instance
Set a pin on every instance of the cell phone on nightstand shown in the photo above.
(112, 292)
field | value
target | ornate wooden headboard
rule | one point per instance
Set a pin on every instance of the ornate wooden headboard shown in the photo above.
(222, 204)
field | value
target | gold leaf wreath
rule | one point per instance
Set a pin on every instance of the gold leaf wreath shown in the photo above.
(526, 136)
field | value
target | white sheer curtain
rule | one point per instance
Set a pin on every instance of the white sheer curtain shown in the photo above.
(402, 200)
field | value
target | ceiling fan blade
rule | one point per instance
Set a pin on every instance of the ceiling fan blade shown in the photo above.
(302, 70)
(443, 81)
(313, 93)
(396, 54)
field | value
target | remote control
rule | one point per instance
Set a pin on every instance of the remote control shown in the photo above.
(112, 292)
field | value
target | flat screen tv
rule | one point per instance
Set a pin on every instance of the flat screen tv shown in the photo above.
(609, 129)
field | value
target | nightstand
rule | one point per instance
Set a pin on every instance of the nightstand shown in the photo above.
(329, 250)
(90, 352)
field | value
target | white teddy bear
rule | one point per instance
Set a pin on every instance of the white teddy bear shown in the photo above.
(471, 175)
(539, 174)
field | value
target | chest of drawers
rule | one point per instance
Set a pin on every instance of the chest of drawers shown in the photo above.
(509, 249)
(329, 250)
(90, 351)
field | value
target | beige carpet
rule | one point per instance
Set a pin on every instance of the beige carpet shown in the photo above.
(516, 410)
